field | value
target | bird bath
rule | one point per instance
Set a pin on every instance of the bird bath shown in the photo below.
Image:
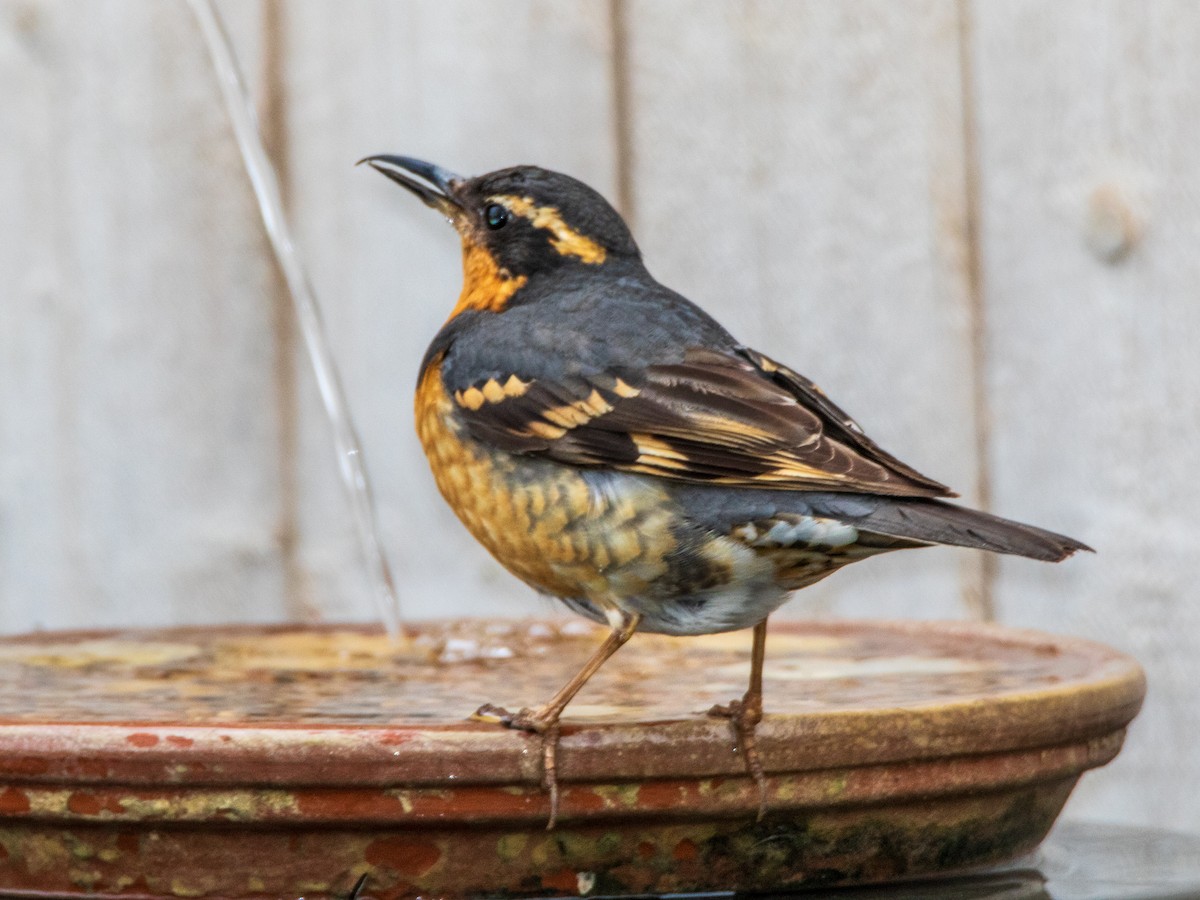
(291, 761)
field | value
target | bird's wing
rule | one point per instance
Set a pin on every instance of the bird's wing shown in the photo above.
(733, 418)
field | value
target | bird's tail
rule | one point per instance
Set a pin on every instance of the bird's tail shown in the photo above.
(937, 522)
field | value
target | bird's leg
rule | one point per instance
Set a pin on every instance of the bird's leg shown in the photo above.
(544, 721)
(745, 714)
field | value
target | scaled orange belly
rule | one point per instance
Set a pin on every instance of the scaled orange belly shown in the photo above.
(541, 520)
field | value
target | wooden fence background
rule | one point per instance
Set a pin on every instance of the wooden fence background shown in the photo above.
(976, 224)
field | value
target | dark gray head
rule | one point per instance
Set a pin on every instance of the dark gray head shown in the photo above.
(527, 219)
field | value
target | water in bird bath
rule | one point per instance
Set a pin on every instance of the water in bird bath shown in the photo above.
(351, 464)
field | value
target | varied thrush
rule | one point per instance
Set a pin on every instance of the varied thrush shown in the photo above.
(613, 446)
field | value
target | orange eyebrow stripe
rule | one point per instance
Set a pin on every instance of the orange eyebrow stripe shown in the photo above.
(566, 240)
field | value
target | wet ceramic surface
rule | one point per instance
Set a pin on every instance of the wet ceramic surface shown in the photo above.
(288, 761)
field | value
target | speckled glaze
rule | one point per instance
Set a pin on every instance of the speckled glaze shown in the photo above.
(286, 762)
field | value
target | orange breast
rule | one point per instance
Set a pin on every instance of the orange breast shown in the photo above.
(543, 521)
(486, 286)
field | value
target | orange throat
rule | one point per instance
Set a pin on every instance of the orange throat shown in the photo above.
(486, 287)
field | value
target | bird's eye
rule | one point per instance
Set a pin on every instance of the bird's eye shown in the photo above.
(496, 216)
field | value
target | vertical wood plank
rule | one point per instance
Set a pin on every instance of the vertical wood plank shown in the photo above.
(1091, 201)
(798, 171)
(137, 465)
(473, 87)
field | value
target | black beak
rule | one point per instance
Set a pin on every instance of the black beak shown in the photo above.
(436, 187)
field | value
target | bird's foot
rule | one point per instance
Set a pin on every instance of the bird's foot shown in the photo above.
(535, 722)
(744, 715)
(524, 719)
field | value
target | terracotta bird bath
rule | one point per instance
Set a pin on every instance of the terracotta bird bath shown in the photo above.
(287, 762)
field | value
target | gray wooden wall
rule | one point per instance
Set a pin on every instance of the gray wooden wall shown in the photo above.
(976, 224)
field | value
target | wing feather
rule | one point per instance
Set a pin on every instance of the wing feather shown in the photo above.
(727, 418)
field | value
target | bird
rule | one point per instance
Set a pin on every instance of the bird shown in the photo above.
(613, 446)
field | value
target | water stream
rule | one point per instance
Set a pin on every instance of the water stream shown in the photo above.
(351, 464)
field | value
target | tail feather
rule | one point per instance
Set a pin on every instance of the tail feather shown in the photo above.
(937, 522)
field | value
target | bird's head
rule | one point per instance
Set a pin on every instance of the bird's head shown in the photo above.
(516, 224)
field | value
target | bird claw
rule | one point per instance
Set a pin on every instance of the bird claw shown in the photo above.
(745, 715)
(532, 721)
(732, 710)
(524, 719)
